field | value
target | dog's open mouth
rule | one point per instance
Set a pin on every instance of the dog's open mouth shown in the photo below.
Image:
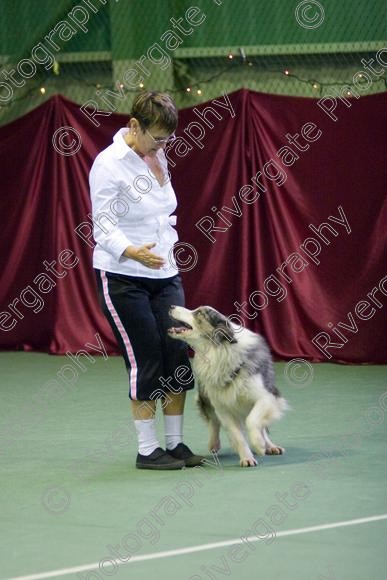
(184, 327)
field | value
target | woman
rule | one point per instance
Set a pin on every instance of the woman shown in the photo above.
(132, 200)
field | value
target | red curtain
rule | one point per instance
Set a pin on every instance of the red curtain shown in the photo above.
(269, 262)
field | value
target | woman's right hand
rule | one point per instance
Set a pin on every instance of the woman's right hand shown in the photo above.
(143, 255)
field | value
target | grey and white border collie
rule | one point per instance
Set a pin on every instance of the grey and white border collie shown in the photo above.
(234, 374)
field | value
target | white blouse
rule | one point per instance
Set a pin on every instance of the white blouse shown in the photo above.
(131, 208)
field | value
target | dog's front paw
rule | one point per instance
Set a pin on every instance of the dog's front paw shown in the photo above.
(275, 450)
(248, 461)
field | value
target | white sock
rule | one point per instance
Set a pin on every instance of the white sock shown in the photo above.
(173, 425)
(147, 436)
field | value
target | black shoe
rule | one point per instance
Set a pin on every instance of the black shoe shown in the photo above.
(183, 452)
(158, 459)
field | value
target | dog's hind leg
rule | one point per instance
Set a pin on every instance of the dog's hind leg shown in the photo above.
(259, 415)
(271, 448)
(237, 439)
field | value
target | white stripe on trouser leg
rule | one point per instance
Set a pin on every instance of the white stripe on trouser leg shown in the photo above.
(121, 329)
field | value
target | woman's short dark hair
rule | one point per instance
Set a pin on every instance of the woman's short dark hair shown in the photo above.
(152, 108)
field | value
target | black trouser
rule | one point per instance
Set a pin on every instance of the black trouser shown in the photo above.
(138, 312)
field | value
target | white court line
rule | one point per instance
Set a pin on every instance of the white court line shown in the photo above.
(200, 548)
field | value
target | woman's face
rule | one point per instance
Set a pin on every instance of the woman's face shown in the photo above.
(148, 141)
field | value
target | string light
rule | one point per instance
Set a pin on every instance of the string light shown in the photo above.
(316, 85)
(56, 68)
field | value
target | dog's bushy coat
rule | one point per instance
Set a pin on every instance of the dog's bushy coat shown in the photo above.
(235, 377)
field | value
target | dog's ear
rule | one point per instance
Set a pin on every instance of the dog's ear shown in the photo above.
(221, 327)
(222, 333)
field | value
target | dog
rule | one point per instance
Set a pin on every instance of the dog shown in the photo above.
(234, 374)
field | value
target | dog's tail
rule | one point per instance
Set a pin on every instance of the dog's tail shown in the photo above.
(281, 405)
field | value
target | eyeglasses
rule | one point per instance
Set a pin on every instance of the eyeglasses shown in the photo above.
(161, 141)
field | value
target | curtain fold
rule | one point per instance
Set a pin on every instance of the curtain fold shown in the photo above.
(230, 171)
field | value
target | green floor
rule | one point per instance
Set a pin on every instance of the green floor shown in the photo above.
(59, 520)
